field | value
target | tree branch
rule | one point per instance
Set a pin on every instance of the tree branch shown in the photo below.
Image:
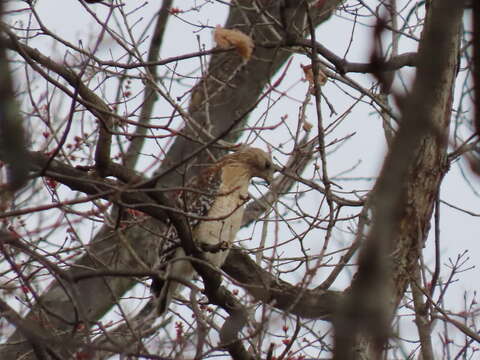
(404, 195)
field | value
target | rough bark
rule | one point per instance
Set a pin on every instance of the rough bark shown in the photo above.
(404, 196)
(401, 204)
(228, 107)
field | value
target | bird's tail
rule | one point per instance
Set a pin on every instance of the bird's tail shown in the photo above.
(165, 289)
(164, 297)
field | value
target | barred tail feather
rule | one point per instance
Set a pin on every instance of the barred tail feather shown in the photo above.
(165, 290)
(162, 295)
(165, 296)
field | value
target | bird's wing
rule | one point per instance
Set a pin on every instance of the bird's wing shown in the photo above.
(196, 198)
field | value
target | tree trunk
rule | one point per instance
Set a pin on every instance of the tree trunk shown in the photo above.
(228, 107)
(404, 196)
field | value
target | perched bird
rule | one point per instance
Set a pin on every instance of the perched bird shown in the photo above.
(218, 195)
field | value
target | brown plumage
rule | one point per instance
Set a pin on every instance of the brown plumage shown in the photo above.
(222, 191)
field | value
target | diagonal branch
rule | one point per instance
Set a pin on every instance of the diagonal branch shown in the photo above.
(234, 97)
(150, 96)
(90, 100)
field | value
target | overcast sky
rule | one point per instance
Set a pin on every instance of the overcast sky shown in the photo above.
(459, 231)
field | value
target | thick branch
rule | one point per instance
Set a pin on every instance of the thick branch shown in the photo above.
(263, 286)
(343, 66)
(404, 195)
(242, 87)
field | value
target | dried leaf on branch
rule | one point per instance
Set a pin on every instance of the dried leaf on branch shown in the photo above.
(321, 77)
(227, 38)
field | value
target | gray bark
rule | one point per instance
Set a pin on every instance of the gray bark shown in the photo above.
(111, 249)
(404, 195)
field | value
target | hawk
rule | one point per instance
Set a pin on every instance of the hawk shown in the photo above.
(216, 198)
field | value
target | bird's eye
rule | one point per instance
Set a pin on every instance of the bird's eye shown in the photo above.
(268, 165)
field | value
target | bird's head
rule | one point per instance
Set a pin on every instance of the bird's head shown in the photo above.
(258, 162)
